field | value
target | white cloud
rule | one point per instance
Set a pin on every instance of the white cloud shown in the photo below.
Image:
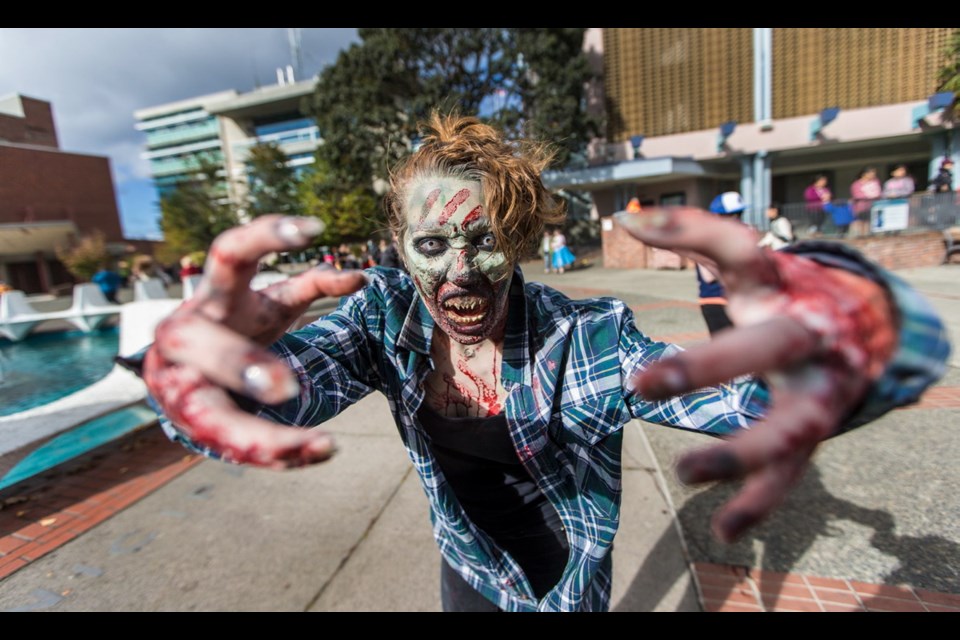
(96, 78)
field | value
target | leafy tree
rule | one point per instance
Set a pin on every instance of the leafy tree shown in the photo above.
(273, 185)
(349, 214)
(196, 211)
(949, 76)
(362, 106)
(369, 102)
(551, 84)
(86, 257)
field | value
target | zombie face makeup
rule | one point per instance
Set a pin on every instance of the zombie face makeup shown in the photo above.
(459, 271)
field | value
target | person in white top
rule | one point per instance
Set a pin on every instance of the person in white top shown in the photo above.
(781, 230)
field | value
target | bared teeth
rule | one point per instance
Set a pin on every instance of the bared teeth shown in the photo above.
(465, 303)
(461, 319)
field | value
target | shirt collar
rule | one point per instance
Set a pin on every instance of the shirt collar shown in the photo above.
(515, 342)
(417, 329)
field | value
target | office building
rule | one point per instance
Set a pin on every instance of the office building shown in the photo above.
(694, 112)
(49, 198)
(222, 127)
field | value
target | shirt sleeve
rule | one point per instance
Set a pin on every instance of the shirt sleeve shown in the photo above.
(716, 410)
(923, 346)
(335, 362)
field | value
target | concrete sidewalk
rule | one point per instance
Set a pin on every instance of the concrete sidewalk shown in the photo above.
(349, 535)
(877, 508)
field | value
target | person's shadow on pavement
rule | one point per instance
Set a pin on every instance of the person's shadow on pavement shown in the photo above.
(928, 562)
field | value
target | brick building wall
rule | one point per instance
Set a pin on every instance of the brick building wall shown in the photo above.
(623, 251)
(36, 127)
(904, 251)
(38, 186)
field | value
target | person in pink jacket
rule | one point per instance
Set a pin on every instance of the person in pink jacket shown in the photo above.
(864, 190)
(900, 184)
(817, 195)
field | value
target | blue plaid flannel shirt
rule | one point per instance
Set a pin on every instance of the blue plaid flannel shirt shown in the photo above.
(565, 367)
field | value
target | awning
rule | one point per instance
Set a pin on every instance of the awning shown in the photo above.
(26, 238)
(629, 171)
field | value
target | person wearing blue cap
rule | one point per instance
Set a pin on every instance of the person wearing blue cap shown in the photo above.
(713, 300)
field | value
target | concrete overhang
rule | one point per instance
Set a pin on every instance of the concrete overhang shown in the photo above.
(179, 106)
(629, 171)
(30, 237)
(265, 101)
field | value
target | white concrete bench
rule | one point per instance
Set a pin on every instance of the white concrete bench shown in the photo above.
(18, 317)
(90, 308)
(151, 289)
(88, 311)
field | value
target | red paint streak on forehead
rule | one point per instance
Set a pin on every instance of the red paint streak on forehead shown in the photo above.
(428, 204)
(448, 209)
(473, 216)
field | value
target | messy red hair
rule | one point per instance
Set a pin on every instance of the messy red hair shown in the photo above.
(514, 197)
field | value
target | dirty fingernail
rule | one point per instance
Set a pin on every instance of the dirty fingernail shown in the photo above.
(269, 386)
(294, 229)
(324, 446)
(722, 465)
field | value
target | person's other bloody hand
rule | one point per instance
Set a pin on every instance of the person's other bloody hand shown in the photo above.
(819, 336)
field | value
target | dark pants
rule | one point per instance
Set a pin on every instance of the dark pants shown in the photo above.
(456, 595)
(715, 315)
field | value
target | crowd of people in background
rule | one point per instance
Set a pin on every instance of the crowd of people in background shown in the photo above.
(851, 214)
(825, 212)
(115, 275)
(372, 254)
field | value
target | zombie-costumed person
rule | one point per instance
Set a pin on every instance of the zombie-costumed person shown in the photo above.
(511, 398)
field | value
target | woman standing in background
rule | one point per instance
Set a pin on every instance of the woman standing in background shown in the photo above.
(864, 190)
(562, 256)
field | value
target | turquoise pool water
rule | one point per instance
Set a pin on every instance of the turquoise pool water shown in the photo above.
(48, 366)
(79, 440)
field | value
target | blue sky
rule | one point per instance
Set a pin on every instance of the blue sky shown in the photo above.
(96, 78)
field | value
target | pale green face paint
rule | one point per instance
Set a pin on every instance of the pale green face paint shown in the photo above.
(461, 275)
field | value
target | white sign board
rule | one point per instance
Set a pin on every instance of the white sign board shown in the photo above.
(889, 215)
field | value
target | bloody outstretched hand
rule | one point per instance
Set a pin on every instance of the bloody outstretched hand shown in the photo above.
(217, 340)
(818, 335)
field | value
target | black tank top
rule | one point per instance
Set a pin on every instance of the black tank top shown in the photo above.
(478, 459)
